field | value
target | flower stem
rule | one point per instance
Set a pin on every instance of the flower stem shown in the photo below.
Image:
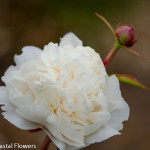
(46, 143)
(111, 54)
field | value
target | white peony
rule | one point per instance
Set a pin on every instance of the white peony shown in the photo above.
(65, 90)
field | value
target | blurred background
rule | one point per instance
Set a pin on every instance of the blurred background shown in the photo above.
(37, 22)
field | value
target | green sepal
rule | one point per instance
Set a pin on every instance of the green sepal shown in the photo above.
(130, 80)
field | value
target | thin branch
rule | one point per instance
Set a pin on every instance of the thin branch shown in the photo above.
(107, 23)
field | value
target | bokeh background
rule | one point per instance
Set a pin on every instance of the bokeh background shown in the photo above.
(37, 22)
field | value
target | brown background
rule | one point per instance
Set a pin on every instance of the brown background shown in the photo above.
(37, 22)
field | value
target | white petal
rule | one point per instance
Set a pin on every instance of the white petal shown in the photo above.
(91, 128)
(70, 39)
(118, 116)
(113, 94)
(10, 113)
(23, 100)
(8, 106)
(19, 122)
(52, 126)
(3, 95)
(36, 113)
(58, 129)
(29, 53)
(15, 84)
(70, 147)
(50, 53)
(29, 67)
(5, 101)
(58, 143)
(101, 117)
(101, 135)
(10, 69)
(69, 132)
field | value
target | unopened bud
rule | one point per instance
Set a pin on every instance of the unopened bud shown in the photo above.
(125, 36)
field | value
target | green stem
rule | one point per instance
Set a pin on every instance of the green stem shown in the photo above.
(111, 54)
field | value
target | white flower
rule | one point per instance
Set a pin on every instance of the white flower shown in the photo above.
(65, 90)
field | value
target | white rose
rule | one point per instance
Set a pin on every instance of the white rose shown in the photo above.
(65, 90)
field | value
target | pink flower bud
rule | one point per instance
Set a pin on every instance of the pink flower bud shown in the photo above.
(125, 36)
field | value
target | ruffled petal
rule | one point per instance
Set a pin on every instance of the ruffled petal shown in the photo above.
(116, 104)
(101, 135)
(23, 101)
(7, 106)
(3, 95)
(10, 113)
(113, 94)
(50, 53)
(68, 132)
(29, 53)
(36, 113)
(59, 128)
(58, 143)
(70, 39)
(19, 122)
(10, 69)
(118, 116)
(70, 147)
(91, 128)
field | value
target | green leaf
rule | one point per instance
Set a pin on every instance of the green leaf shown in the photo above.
(131, 80)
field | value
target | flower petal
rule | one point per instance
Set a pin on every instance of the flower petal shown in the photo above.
(58, 143)
(113, 94)
(22, 101)
(10, 113)
(29, 53)
(52, 127)
(50, 53)
(58, 128)
(102, 118)
(68, 132)
(91, 128)
(10, 69)
(3, 95)
(70, 39)
(36, 113)
(19, 122)
(118, 116)
(101, 135)
(4, 100)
